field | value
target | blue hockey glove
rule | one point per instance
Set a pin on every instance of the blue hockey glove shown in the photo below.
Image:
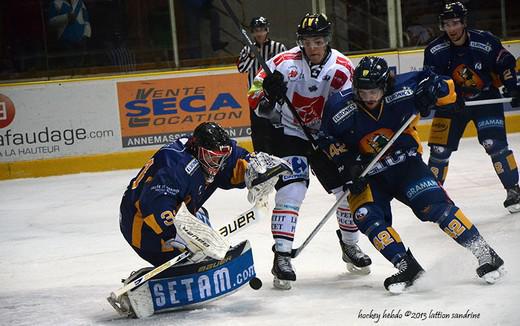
(274, 87)
(425, 97)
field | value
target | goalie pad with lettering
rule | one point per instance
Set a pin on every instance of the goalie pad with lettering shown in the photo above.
(190, 285)
(262, 174)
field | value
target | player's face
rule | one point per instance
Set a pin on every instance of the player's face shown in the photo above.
(315, 48)
(454, 28)
(260, 34)
(370, 97)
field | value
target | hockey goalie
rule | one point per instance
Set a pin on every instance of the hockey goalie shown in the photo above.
(162, 218)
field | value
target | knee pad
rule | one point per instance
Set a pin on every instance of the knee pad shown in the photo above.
(495, 147)
(292, 193)
(440, 153)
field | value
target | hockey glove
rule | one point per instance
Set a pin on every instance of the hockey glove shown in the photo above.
(359, 183)
(425, 97)
(262, 174)
(274, 87)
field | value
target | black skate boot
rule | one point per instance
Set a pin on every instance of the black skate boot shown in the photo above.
(282, 270)
(491, 266)
(512, 202)
(357, 261)
(409, 271)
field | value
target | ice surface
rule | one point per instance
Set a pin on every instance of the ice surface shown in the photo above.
(61, 253)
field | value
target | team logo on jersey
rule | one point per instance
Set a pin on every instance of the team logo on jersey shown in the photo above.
(293, 73)
(309, 109)
(339, 79)
(344, 113)
(468, 80)
(191, 166)
(478, 66)
(374, 142)
(439, 47)
(313, 88)
(397, 96)
(480, 46)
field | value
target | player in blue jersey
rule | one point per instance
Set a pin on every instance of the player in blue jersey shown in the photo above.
(363, 120)
(188, 171)
(479, 64)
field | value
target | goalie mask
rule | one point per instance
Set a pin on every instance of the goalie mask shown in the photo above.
(211, 145)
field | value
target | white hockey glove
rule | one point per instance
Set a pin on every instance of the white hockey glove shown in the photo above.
(262, 174)
(197, 237)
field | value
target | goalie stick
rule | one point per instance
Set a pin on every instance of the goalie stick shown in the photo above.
(239, 223)
(268, 71)
(297, 251)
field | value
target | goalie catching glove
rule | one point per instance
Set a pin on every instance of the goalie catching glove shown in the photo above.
(262, 174)
(197, 237)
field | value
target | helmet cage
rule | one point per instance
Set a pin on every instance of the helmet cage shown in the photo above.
(213, 160)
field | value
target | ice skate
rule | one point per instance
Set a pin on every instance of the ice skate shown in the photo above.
(512, 202)
(283, 271)
(409, 271)
(491, 266)
(357, 261)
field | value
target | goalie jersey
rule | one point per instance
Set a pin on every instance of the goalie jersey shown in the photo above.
(365, 132)
(170, 177)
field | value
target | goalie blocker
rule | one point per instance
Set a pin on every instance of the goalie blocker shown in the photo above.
(189, 285)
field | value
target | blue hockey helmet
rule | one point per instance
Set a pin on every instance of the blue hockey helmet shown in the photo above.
(453, 10)
(370, 73)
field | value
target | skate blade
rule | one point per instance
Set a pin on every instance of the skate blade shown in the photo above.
(397, 288)
(494, 276)
(514, 208)
(358, 270)
(282, 284)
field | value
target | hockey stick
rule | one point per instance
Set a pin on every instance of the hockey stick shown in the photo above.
(490, 101)
(268, 71)
(330, 212)
(239, 223)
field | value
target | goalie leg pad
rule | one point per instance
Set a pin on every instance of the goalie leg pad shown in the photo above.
(191, 285)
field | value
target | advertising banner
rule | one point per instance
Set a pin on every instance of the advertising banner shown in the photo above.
(158, 111)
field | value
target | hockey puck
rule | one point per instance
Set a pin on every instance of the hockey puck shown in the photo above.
(255, 283)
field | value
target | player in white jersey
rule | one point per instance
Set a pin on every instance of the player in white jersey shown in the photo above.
(308, 74)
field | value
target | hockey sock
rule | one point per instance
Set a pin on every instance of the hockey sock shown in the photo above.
(349, 230)
(386, 240)
(439, 161)
(455, 224)
(505, 167)
(283, 226)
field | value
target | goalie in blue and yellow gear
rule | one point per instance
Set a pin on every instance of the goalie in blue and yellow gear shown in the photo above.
(364, 119)
(479, 64)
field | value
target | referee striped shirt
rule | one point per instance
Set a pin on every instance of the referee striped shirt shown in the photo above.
(247, 63)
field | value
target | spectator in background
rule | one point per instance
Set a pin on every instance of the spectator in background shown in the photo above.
(70, 20)
(261, 129)
(418, 35)
(195, 11)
